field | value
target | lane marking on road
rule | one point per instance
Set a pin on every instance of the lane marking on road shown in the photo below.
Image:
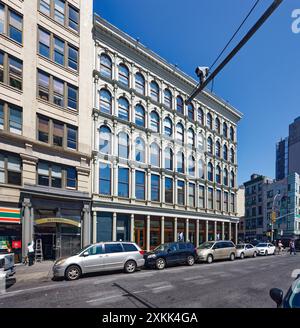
(157, 284)
(193, 278)
(203, 281)
(162, 289)
(12, 293)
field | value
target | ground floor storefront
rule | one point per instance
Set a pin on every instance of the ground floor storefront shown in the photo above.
(149, 230)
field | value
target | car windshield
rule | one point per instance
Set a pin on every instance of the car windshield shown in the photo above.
(161, 248)
(83, 249)
(206, 245)
(262, 245)
(240, 246)
(292, 299)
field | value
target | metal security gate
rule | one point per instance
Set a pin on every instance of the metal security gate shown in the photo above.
(69, 244)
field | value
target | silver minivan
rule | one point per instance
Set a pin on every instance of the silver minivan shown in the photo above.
(216, 250)
(104, 256)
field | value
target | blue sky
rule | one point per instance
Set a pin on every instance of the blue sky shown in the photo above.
(262, 81)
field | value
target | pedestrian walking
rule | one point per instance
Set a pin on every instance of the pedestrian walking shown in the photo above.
(292, 247)
(280, 247)
(30, 253)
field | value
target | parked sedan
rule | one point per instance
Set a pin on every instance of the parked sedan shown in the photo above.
(99, 257)
(246, 250)
(266, 248)
(171, 254)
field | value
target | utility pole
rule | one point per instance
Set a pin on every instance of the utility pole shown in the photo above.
(273, 217)
(204, 82)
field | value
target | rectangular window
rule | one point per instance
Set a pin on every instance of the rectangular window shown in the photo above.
(123, 182)
(2, 168)
(1, 116)
(45, 7)
(59, 11)
(43, 174)
(72, 97)
(218, 200)
(232, 203)
(10, 169)
(58, 92)
(71, 137)
(43, 129)
(1, 66)
(58, 134)
(71, 178)
(140, 185)
(59, 51)
(104, 179)
(44, 43)
(15, 119)
(15, 72)
(56, 176)
(73, 18)
(210, 198)
(44, 85)
(226, 201)
(15, 26)
(201, 197)
(180, 192)
(192, 195)
(2, 18)
(169, 190)
(73, 58)
(155, 181)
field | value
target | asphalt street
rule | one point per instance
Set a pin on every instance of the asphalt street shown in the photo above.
(241, 283)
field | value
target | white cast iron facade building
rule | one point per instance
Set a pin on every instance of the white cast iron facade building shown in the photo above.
(159, 167)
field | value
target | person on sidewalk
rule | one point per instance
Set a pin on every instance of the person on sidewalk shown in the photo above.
(30, 253)
(292, 247)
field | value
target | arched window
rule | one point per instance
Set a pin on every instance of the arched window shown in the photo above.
(192, 166)
(218, 174)
(201, 169)
(123, 145)
(209, 120)
(225, 130)
(232, 155)
(140, 83)
(105, 66)
(180, 162)
(180, 133)
(209, 145)
(201, 142)
(154, 91)
(179, 105)
(168, 127)
(210, 172)
(225, 153)
(168, 159)
(200, 116)
(105, 101)
(105, 140)
(139, 115)
(217, 125)
(232, 179)
(191, 137)
(140, 150)
(225, 177)
(218, 149)
(154, 121)
(231, 133)
(124, 75)
(154, 155)
(168, 98)
(191, 111)
(123, 109)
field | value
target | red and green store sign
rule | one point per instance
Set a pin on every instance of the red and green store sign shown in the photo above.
(10, 215)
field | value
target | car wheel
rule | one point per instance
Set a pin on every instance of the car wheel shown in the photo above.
(242, 255)
(254, 254)
(130, 266)
(232, 257)
(190, 260)
(160, 264)
(209, 259)
(73, 272)
(266, 253)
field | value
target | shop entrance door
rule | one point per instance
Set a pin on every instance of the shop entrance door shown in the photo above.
(140, 237)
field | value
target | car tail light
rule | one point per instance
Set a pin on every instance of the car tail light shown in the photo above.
(142, 252)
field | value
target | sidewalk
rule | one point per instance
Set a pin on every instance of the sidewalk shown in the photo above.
(40, 271)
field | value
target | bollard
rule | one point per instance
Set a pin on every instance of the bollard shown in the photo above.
(2, 282)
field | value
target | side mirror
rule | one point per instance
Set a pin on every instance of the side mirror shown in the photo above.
(277, 296)
(86, 254)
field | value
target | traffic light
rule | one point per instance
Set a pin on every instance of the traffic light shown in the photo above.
(273, 218)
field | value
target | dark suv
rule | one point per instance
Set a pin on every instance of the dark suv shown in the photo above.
(171, 254)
